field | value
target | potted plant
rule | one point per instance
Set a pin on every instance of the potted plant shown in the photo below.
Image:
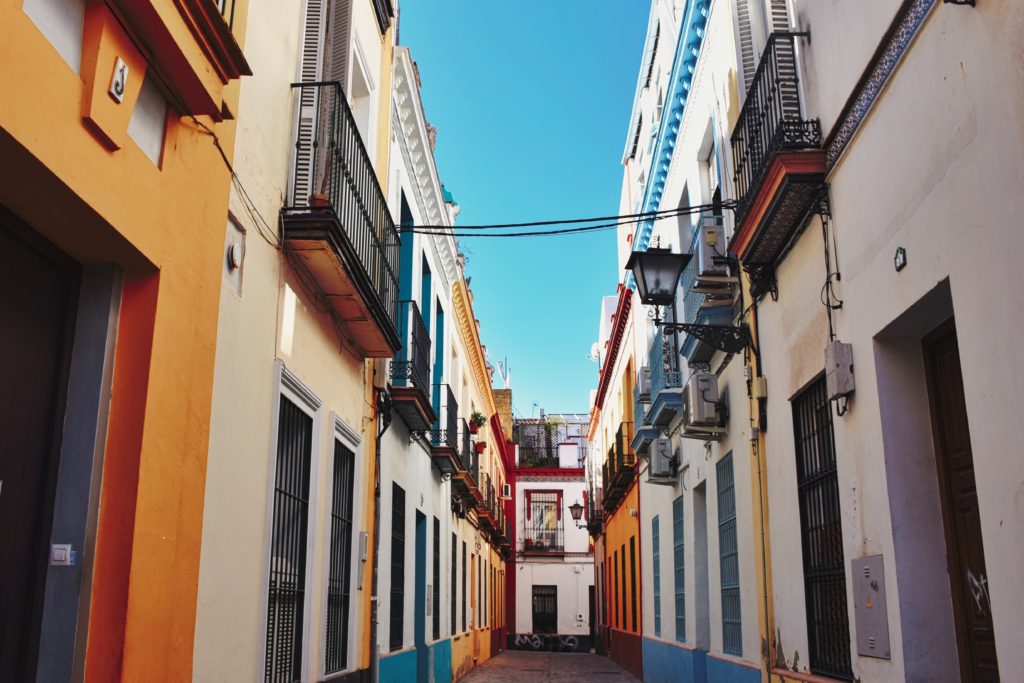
(476, 421)
(481, 446)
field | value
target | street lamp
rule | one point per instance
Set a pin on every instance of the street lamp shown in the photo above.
(657, 272)
(576, 510)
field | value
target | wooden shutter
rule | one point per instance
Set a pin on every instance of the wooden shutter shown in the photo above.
(778, 16)
(309, 72)
(748, 60)
(338, 40)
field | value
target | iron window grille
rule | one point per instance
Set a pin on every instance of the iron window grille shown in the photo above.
(617, 607)
(437, 579)
(622, 560)
(288, 551)
(543, 530)
(397, 623)
(656, 557)
(732, 626)
(339, 579)
(679, 560)
(828, 625)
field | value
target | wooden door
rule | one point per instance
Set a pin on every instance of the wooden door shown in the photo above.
(964, 547)
(37, 291)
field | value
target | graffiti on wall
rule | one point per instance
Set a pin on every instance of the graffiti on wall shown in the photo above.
(544, 642)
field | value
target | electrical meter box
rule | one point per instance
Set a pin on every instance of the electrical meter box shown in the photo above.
(712, 248)
(839, 370)
(869, 607)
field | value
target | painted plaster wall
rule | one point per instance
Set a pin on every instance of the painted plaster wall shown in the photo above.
(943, 182)
(104, 206)
(273, 318)
(572, 580)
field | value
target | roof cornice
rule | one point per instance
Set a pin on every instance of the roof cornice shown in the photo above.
(471, 336)
(620, 318)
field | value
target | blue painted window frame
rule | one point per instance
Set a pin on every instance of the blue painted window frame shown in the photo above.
(679, 560)
(656, 556)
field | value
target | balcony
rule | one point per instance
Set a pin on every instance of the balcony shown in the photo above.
(703, 309)
(410, 370)
(337, 227)
(444, 437)
(460, 480)
(780, 166)
(540, 537)
(645, 432)
(620, 467)
(550, 444)
(485, 511)
(666, 381)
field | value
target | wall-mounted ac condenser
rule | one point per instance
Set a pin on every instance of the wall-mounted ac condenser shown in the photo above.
(700, 400)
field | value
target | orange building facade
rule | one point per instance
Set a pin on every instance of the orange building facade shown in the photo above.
(115, 136)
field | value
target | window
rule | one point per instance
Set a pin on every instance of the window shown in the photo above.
(622, 558)
(397, 566)
(679, 560)
(437, 579)
(656, 556)
(632, 582)
(543, 528)
(339, 574)
(545, 609)
(828, 626)
(732, 631)
(615, 589)
(287, 589)
(483, 602)
(463, 585)
(454, 596)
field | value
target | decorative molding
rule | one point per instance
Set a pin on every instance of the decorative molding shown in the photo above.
(618, 332)
(410, 125)
(471, 336)
(688, 48)
(291, 381)
(347, 432)
(887, 57)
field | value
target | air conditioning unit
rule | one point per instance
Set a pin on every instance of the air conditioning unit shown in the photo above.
(644, 384)
(506, 490)
(712, 248)
(700, 401)
(663, 459)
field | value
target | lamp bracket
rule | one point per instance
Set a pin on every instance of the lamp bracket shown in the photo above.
(727, 338)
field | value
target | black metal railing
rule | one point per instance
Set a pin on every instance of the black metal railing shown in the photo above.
(333, 173)
(541, 536)
(771, 120)
(413, 361)
(226, 8)
(466, 449)
(624, 456)
(473, 467)
(446, 429)
(539, 441)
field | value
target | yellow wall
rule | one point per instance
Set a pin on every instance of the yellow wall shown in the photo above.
(619, 529)
(90, 190)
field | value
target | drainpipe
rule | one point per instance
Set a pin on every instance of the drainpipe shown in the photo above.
(382, 422)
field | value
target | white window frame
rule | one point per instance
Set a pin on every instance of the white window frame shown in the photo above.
(288, 385)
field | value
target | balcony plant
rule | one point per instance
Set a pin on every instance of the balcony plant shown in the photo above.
(481, 446)
(476, 421)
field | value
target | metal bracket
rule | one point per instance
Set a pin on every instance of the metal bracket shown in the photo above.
(959, 2)
(727, 338)
(762, 279)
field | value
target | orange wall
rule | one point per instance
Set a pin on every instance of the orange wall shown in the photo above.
(165, 227)
(619, 528)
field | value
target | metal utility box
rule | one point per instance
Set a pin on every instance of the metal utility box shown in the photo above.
(644, 384)
(663, 462)
(700, 400)
(711, 248)
(839, 370)
(870, 613)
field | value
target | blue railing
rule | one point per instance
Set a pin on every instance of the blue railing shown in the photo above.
(664, 366)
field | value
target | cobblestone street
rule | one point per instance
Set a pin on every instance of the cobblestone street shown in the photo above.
(536, 667)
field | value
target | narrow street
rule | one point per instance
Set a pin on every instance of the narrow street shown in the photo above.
(538, 667)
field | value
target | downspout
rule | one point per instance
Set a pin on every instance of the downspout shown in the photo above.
(383, 421)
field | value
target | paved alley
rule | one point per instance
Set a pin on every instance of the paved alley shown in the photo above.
(539, 667)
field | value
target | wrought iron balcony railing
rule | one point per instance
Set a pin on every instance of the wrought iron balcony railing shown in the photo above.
(664, 366)
(540, 536)
(771, 120)
(624, 456)
(446, 430)
(226, 8)
(413, 361)
(466, 449)
(333, 175)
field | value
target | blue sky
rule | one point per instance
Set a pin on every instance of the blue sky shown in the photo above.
(531, 99)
